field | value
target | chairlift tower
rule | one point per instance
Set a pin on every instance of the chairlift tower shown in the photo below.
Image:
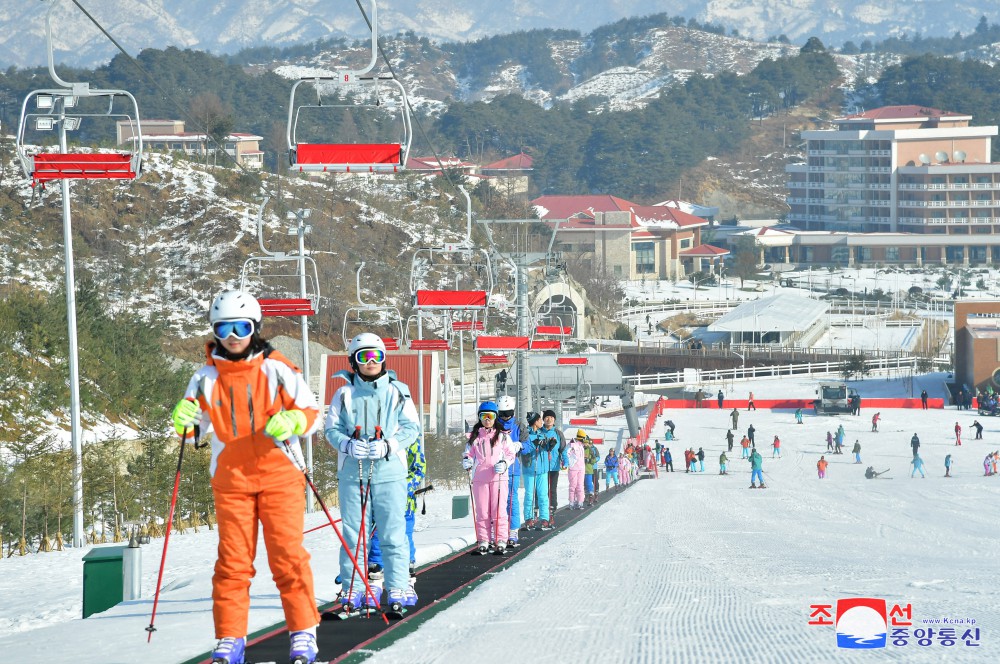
(63, 109)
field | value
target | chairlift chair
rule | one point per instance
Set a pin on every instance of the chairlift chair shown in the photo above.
(418, 341)
(367, 316)
(384, 93)
(65, 109)
(273, 290)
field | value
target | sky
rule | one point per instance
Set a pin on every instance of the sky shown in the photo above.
(683, 568)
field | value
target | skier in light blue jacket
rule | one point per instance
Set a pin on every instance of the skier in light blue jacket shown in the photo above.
(370, 423)
(535, 471)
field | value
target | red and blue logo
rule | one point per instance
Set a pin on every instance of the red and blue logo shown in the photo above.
(861, 623)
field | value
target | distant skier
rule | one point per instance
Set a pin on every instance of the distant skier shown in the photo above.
(734, 415)
(756, 470)
(856, 451)
(576, 466)
(776, 448)
(979, 429)
(668, 461)
(719, 399)
(745, 444)
(750, 404)
(821, 466)
(923, 399)
(958, 433)
(829, 441)
(875, 419)
(723, 460)
(798, 416)
(918, 464)
(915, 444)
(611, 470)
(750, 432)
(729, 439)
(701, 460)
(988, 465)
(947, 466)
(671, 427)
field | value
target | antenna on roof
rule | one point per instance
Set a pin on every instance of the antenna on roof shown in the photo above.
(941, 156)
(959, 156)
(924, 159)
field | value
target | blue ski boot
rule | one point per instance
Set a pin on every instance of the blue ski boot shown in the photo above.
(229, 651)
(303, 650)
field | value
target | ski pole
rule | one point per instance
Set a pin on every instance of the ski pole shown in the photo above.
(361, 527)
(166, 539)
(354, 561)
(319, 527)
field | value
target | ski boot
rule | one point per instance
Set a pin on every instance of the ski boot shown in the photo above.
(375, 571)
(396, 600)
(482, 550)
(367, 601)
(410, 597)
(499, 549)
(512, 543)
(762, 486)
(753, 486)
(350, 599)
(547, 525)
(303, 649)
(229, 651)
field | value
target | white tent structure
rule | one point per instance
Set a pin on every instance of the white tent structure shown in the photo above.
(783, 319)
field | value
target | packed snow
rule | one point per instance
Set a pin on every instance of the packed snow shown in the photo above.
(681, 568)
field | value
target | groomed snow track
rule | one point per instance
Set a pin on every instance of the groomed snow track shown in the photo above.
(438, 584)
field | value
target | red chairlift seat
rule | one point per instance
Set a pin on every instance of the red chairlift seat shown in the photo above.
(467, 325)
(430, 344)
(287, 307)
(493, 359)
(545, 344)
(572, 361)
(347, 158)
(391, 343)
(487, 342)
(583, 421)
(57, 166)
(451, 299)
(560, 330)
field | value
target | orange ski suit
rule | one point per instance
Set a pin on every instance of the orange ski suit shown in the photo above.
(254, 481)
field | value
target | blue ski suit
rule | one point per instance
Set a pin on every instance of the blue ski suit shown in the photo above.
(535, 470)
(513, 429)
(383, 402)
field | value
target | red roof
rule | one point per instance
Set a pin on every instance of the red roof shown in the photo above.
(662, 213)
(705, 250)
(910, 111)
(519, 162)
(567, 207)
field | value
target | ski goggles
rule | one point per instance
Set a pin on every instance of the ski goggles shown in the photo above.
(366, 355)
(488, 416)
(241, 328)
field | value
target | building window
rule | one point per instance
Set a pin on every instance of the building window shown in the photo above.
(892, 253)
(618, 270)
(685, 243)
(645, 257)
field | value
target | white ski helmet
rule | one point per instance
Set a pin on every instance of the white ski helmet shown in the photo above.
(506, 403)
(365, 340)
(233, 304)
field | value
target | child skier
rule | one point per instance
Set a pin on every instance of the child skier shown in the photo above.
(255, 476)
(918, 465)
(776, 448)
(958, 433)
(591, 458)
(756, 470)
(723, 459)
(488, 454)
(575, 464)
(509, 423)
(856, 451)
(371, 422)
(821, 466)
(535, 471)
(611, 470)
(875, 419)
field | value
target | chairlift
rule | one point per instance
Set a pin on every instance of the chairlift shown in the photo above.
(418, 341)
(280, 288)
(64, 109)
(366, 316)
(470, 270)
(348, 90)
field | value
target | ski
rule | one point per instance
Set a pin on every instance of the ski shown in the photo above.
(395, 614)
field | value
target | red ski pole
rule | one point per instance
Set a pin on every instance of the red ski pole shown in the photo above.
(340, 535)
(166, 539)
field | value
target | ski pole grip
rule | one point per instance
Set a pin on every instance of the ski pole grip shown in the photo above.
(357, 433)
(378, 432)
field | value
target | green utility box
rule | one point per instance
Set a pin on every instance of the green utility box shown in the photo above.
(103, 578)
(459, 507)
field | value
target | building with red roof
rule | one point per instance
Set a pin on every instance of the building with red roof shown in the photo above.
(902, 169)
(624, 239)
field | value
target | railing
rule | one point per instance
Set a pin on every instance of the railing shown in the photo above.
(676, 378)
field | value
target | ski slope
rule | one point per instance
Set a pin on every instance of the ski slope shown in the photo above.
(684, 568)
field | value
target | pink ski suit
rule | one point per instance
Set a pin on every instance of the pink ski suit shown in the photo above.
(575, 464)
(489, 488)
